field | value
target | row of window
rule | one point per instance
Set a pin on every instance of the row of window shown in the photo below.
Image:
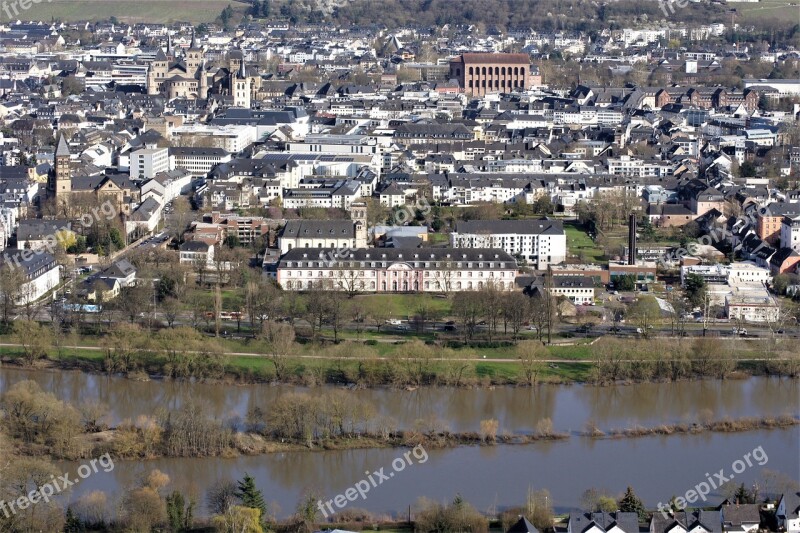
(498, 84)
(394, 286)
(404, 273)
(498, 71)
(384, 264)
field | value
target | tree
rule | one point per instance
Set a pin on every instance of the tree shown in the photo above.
(12, 281)
(238, 519)
(543, 313)
(178, 221)
(250, 496)
(516, 310)
(221, 496)
(644, 313)
(468, 307)
(625, 283)
(134, 300)
(595, 500)
(34, 338)
(179, 512)
(531, 355)
(225, 17)
(540, 509)
(695, 288)
(630, 503)
(144, 509)
(279, 338)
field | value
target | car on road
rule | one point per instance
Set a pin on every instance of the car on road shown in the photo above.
(394, 322)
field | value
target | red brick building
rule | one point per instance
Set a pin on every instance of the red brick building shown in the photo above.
(482, 73)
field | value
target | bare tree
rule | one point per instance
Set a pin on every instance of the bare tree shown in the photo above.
(532, 355)
(279, 345)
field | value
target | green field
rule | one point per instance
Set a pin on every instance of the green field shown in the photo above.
(765, 10)
(194, 11)
(579, 244)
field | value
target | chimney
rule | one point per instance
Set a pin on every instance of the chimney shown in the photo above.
(632, 239)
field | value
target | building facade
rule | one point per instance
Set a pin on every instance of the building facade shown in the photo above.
(339, 234)
(539, 243)
(484, 73)
(148, 162)
(396, 270)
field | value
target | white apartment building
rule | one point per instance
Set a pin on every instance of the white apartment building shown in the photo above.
(196, 253)
(537, 242)
(198, 161)
(790, 232)
(42, 271)
(232, 138)
(739, 273)
(577, 289)
(147, 162)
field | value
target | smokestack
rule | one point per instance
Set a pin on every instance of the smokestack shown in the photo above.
(632, 239)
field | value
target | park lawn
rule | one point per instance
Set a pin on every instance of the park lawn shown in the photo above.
(403, 306)
(193, 11)
(580, 244)
(578, 352)
(438, 238)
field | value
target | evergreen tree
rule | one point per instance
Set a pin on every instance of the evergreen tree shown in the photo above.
(73, 524)
(742, 495)
(179, 512)
(630, 503)
(250, 495)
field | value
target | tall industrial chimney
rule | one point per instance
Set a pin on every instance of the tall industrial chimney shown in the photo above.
(632, 239)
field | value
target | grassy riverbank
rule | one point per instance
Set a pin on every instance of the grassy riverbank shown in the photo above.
(184, 353)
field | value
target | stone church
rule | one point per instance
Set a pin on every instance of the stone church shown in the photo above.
(69, 195)
(185, 75)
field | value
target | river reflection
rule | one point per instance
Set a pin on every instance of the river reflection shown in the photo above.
(518, 409)
(489, 477)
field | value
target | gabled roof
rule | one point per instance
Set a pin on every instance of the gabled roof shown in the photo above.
(627, 522)
(340, 229)
(523, 526)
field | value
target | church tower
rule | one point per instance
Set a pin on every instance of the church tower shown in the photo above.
(60, 179)
(194, 57)
(240, 87)
(358, 212)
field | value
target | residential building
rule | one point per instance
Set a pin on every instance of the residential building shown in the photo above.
(40, 269)
(539, 243)
(147, 162)
(196, 253)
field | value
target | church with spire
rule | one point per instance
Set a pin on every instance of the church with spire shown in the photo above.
(184, 74)
(59, 180)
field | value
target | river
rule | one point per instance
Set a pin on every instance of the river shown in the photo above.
(490, 476)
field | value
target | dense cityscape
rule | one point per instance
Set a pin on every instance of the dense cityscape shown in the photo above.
(404, 265)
